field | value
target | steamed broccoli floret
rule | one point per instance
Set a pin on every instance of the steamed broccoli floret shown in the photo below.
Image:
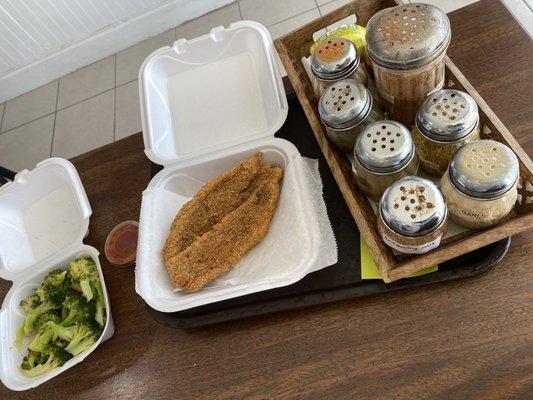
(55, 278)
(32, 359)
(30, 302)
(84, 337)
(54, 297)
(56, 357)
(42, 321)
(82, 345)
(67, 314)
(37, 345)
(82, 272)
(77, 309)
(44, 331)
(29, 323)
(62, 332)
(84, 276)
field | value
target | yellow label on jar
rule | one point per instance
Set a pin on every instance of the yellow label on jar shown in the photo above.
(351, 32)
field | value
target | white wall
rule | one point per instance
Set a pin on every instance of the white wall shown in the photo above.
(41, 40)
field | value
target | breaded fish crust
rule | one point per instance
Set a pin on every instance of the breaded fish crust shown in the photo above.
(215, 199)
(221, 223)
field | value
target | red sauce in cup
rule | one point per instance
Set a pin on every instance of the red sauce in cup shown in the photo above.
(121, 243)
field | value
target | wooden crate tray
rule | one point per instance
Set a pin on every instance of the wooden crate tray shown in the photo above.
(295, 45)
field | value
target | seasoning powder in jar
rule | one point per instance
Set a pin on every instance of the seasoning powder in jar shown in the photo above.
(333, 60)
(384, 152)
(412, 215)
(446, 121)
(346, 108)
(480, 184)
(407, 45)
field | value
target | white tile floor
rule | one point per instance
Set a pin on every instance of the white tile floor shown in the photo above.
(99, 104)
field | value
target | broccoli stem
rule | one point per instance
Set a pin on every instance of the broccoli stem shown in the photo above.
(20, 337)
(100, 305)
(37, 345)
(39, 369)
(86, 289)
(80, 346)
(62, 332)
(99, 316)
(29, 324)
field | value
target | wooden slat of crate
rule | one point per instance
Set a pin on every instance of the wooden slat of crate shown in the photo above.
(295, 45)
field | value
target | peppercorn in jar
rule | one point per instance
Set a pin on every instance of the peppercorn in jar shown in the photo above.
(412, 215)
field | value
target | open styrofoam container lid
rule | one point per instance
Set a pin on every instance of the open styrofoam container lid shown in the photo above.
(211, 93)
(43, 212)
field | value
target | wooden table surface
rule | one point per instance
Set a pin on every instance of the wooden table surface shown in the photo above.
(470, 339)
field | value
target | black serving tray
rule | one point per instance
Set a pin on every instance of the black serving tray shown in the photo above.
(337, 282)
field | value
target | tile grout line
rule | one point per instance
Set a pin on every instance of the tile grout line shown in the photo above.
(293, 16)
(26, 123)
(64, 108)
(55, 119)
(239, 8)
(115, 86)
(3, 113)
(318, 8)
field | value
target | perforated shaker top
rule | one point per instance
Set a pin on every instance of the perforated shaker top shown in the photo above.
(384, 146)
(484, 169)
(447, 115)
(413, 206)
(407, 36)
(334, 59)
(344, 104)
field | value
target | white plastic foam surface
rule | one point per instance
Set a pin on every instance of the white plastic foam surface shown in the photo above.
(274, 262)
(225, 105)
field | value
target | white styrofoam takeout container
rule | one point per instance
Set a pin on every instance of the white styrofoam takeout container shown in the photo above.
(44, 216)
(206, 105)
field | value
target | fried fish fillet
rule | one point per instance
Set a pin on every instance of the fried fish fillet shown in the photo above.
(221, 247)
(223, 221)
(215, 199)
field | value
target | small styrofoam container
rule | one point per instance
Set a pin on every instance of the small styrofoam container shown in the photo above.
(44, 216)
(206, 105)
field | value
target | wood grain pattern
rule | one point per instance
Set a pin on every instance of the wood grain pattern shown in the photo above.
(292, 48)
(469, 339)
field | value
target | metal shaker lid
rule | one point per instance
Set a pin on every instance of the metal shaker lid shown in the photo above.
(484, 169)
(407, 36)
(344, 104)
(447, 115)
(384, 147)
(413, 206)
(334, 59)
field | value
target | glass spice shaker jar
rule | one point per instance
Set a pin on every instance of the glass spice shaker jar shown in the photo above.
(406, 45)
(480, 184)
(346, 108)
(384, 152)
(412, 215)
(446, 121)
(336, 59)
